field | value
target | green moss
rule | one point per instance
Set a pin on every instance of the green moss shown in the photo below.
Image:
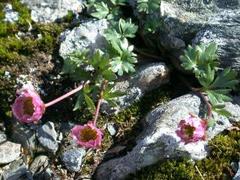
(14, 49)
(224, 149)
(24, 14)
(15, 52)
(69, 17)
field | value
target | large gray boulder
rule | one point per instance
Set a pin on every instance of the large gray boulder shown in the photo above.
(158, 141)
(204, 21)
(46, 11)
(194, 21)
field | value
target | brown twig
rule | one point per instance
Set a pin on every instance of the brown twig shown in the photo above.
(96, 114)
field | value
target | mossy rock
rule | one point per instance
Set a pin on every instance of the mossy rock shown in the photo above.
(224, 149)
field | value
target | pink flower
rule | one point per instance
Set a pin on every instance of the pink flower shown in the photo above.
(28, 106)
(88, 135)
(192, 129)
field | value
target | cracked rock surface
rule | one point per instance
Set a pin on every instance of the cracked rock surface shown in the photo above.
(158, 141)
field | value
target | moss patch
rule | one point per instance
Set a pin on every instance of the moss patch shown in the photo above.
(224, 149)
(20, 52)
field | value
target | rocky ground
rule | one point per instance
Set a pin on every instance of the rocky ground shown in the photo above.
(140, 140)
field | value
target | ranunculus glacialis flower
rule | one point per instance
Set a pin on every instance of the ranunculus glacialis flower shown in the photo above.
(192, 129)
(88, 135)
(28, 106)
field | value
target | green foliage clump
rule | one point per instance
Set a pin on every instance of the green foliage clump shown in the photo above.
(24, 14)
(119, 48)
(103, 65)
(97, 69)
(149, 10)
(216, 83)
(109, 9)
(224, 149)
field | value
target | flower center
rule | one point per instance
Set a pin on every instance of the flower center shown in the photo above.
(189, 130)
(28, 106)
(88, 134)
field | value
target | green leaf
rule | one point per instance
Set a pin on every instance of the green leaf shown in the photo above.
(207, 77)
(109, 75)
(90, 103)
(222, 112)
(211, 122)
(118, 2)
(79, 101)
(102, 10)
(226, 79)
(127, 28)
(217, 98)
(111, 34)
(148, 6)
(198, 58)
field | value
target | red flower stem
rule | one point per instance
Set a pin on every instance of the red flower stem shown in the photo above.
(66, 95)
(200, 93)
(99, 102)
(209, 106)
(97, 111)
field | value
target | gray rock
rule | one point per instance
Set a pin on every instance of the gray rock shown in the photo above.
(237, 175)
(195, 21)
(47, 136)
(17, 170)
(3, 137)
(147, 78)
(72, 159)
(47, 174)
(227, 38)
(215, 20)
(9, 152)
(89, 35)
(10, 15)
(39, 164)
(25, 136)
(51, 10)
(158, 141)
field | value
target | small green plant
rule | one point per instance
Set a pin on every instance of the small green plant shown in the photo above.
(216, 83)
(149, 10)
(97, 68)
(108, 9)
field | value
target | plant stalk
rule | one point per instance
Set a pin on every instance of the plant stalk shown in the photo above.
(200, 93)
(96, 114)
(66, 95)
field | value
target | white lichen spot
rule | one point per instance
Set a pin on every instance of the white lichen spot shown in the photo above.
(7, 75)
(10, 15)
